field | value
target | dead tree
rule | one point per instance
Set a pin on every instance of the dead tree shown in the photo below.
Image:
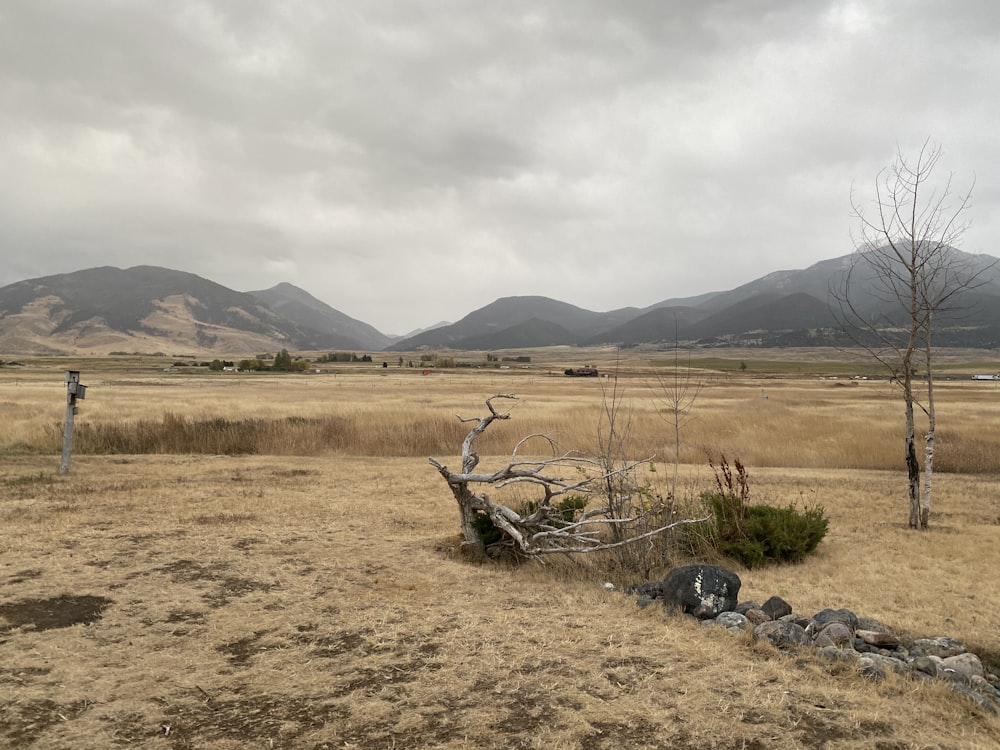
(543, 528)
(905, 275)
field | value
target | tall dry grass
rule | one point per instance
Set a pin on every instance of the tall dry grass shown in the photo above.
(803, 423)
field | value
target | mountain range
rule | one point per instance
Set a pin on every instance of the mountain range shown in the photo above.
(150, 309)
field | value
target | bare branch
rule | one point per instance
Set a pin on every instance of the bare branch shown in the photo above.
(905, 273)
(545, 529)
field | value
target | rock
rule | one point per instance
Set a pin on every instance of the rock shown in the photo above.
(702, 590)
(652, 590)
(776, 608)
(983, 686)
(876, 667)
(734, 622)
(800, 620)
(953, 675)
(710, 593)
(878, 638)
(832, 653)
(925, 665)
(836, 615)
(972, 695)
(941, 645)
(888, 662)
(870, 623)
(865, 648)
(868, 669)
(835, 634)
(781, 634)
(967, 664)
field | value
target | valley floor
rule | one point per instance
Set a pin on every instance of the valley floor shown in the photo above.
(259, 602)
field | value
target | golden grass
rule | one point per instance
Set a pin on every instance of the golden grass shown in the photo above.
(318, 602)
(765, 421)
(310, 601)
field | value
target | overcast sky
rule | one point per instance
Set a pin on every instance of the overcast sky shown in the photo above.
(409, 161)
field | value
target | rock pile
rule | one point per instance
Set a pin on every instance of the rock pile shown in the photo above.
(709, 592)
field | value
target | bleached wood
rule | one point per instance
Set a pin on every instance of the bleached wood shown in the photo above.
(543, 531)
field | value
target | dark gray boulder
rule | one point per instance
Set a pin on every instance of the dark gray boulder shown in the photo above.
(776, 608)
(826, 616)
(781, 634)
(704, 591)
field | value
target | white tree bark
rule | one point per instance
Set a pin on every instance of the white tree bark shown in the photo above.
(544, 530)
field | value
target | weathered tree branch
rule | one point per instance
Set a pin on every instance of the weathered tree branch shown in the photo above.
(545, 530)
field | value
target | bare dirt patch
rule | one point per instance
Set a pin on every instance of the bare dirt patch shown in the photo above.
(62, 611)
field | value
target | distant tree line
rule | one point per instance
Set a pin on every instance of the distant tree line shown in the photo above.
(343, 357)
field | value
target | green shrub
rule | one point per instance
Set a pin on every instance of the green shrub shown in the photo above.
(486, 529)
(767, 534)
(755, 535)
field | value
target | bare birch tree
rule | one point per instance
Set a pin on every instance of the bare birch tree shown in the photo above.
(543, 529)
(677, 391)
(905, 273)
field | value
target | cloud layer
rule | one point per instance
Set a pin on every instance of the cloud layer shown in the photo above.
(407, 162)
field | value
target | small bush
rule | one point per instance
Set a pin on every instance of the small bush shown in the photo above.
(755, 535)
(486, 529)
(774, 534)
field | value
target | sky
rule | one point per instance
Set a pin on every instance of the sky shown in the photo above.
(410, 161)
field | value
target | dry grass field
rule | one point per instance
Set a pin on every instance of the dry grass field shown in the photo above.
(302, 587)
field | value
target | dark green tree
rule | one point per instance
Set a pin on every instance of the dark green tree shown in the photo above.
(282, 361)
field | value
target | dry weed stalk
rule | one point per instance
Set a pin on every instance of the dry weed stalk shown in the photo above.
(544, 529)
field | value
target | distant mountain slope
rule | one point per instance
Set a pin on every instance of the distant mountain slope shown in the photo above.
(781, 308)
(765, 312)
(155, 309)
(147, 308)
(125, 299)
(527, 335)
(506, 313)
(320, 321)
(660, 324)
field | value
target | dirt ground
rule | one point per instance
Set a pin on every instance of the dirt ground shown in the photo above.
(232, 602)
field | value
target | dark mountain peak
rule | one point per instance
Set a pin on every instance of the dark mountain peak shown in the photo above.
(326, 327)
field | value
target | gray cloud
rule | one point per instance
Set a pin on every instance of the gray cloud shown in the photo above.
(407, 162)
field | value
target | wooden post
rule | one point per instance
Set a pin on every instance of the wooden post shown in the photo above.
(74, 390)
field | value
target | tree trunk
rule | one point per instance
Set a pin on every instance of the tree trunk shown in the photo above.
(912, 467)
(467, 515)
(925, 506)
